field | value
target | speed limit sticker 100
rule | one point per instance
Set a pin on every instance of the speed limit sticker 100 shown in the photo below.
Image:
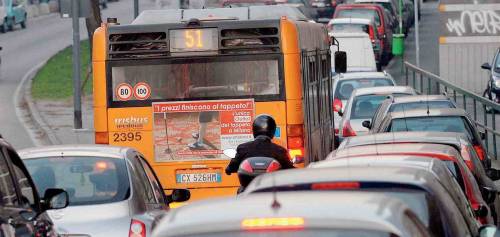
(124, 91)
(142, 91)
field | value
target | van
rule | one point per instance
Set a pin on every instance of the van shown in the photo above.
(359, 49)
(12, 12)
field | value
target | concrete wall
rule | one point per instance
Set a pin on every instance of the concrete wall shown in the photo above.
(470, 34)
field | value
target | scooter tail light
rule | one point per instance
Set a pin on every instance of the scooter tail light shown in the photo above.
(246, 166)
(137, 229)
(273, 166)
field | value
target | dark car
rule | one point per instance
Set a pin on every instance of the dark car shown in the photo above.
(325, 9)
(417, 182)
(436, 120)
(456, 140)
(22, 211)
(398, 104)
(296, 214)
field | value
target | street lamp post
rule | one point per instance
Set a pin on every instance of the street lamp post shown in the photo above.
(75, 12)
(136, 8)
(417, 39)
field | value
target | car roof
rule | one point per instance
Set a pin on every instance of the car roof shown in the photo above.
(372, 211)
(349, 34)
(380, 160)
(350, 20)
(418, 98)
(361, 5)
(451, 138)
(415, 149)
(368, 1)
(428, 113)
(409, 174)
(74, 150)
(361, 75)
(382, 90)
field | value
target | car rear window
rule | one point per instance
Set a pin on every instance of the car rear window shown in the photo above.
(301, 233)
(369, 14)
(348, 27)
(345, 88)
(88, 180)
(421, 105)
(431, 124)
(364, 106)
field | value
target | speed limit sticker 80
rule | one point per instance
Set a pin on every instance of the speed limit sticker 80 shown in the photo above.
(124, 91)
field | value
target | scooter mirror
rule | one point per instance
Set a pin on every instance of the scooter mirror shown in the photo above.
(231, 153)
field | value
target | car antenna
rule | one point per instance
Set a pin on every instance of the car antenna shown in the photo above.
(404, 118)
(275, 205)
(427, 103)
(376, 144)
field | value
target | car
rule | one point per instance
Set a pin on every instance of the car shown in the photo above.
(479, 197)
(23, 212)
(458, 141)
(362, 105)
(419, 183)
(372, 12)
(295, 214)
(392, 6)
(103, 4)
(325, 9)
(359, 25)
(492, 91)
(345, 83)
(303, 5)
(12, 12)
(437, 120)
(113, 191)
(408, 103)
(359, 50)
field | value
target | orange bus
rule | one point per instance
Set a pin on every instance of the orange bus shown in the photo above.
(181, 86)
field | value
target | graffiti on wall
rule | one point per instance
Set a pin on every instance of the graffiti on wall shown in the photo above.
(474, 22)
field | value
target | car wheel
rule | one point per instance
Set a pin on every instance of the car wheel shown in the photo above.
(10, 26)
(23, 23)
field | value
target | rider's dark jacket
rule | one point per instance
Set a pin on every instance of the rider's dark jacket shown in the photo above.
(262, 146)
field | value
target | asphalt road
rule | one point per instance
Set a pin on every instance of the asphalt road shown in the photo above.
(24, 49)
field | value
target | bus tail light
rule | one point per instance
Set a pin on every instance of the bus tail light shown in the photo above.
(480, 152)
(347, 130)
(101, 138)
(295, 130)
(297, 155)
(336, 185)
(295, 143)
(137, 229)
(337, 105)
(274, 223)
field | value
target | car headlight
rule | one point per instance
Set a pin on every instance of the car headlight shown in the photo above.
(497, 83)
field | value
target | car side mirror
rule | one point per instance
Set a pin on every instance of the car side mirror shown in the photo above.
(489, 194)
(55, 198)
(487, 231)
(493, 174)
(367, 124)
(340, 62)
(482, 135)
(180, 195)
(486, 66)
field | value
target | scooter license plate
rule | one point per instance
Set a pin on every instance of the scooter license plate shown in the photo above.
(202, 177)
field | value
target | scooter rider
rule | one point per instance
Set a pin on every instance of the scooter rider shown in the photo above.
(264, 128)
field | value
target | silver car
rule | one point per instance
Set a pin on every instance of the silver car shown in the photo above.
(345, 83)
(362, 105)
(112, 190)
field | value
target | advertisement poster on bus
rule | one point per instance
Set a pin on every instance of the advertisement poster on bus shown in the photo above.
(200, 130)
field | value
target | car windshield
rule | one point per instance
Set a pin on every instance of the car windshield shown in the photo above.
(345, 88)
(369, 14)
(430, 124)
(348, 27)
(88, 180)
(301, 233)
(421, 105)
(363, 107)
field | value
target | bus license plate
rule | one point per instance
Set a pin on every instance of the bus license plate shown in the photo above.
(198, 178)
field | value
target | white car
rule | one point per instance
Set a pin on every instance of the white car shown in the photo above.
(362, 104)
(359, 49)
(345, 83)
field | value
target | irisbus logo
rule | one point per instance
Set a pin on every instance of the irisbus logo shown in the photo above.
(131, 122)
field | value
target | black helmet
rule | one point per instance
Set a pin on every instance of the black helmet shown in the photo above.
(264, 125)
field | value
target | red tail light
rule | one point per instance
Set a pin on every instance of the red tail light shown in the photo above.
(480, 152)
(337, 105)
(246, 166)
(347, 130)
(465, 152)
(337, 185)
(273, 166)
(295, 142)
(137, 229)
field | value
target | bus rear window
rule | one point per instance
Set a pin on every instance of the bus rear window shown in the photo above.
(190, 79)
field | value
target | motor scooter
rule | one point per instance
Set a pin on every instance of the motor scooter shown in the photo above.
(252, 167)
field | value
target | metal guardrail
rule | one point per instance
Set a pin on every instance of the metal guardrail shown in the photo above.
(426, 82)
